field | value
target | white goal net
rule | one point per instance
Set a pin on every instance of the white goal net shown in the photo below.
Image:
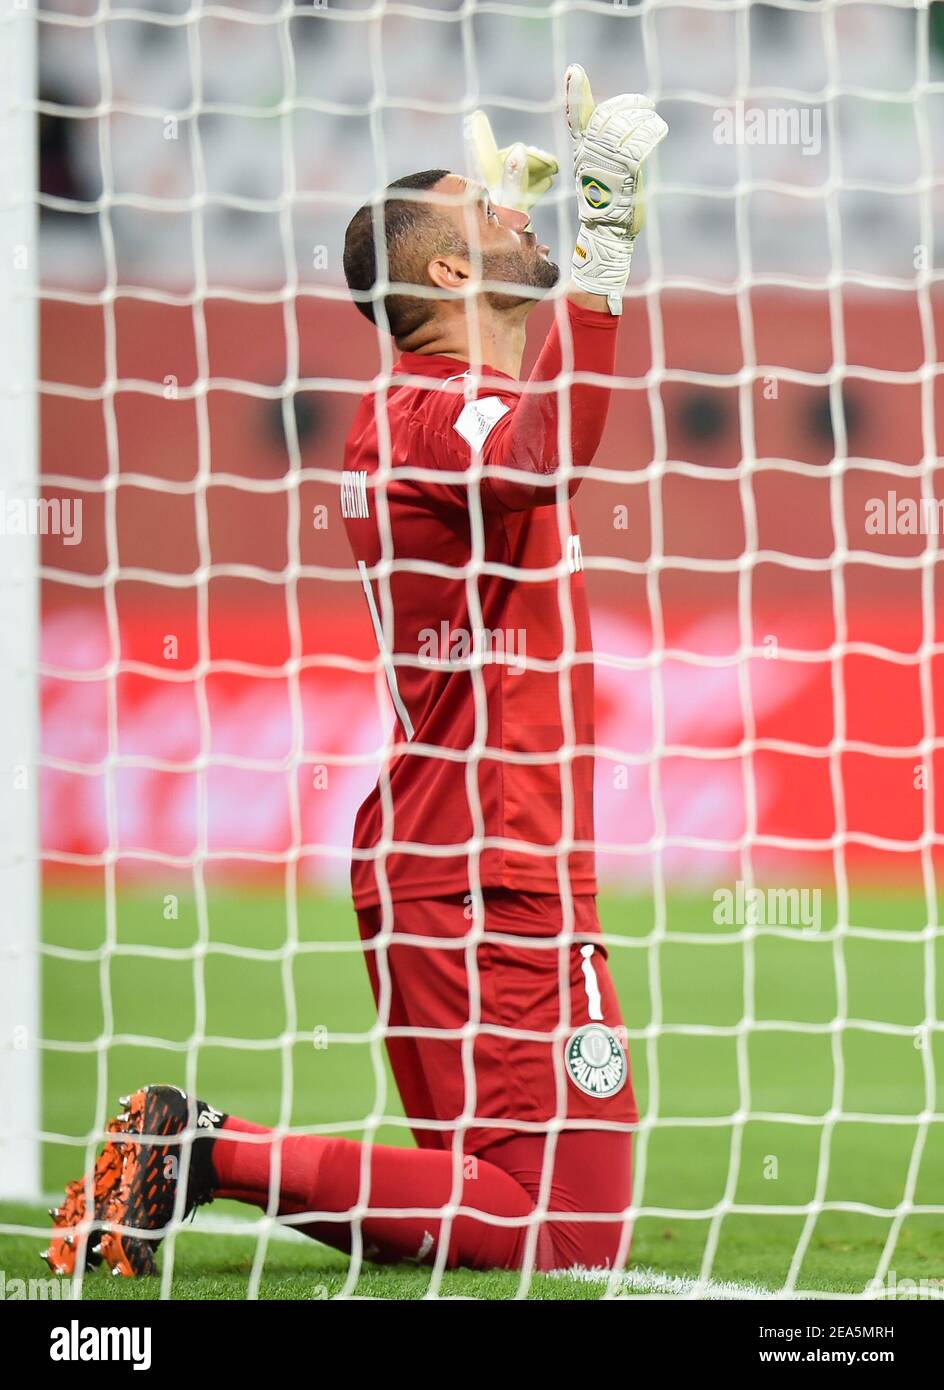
(760, 535)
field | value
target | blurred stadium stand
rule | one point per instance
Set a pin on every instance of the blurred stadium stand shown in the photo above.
(335, 151)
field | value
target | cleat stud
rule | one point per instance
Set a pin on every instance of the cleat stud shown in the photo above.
(97, 1249)
(124, 1100)
(54, 1213)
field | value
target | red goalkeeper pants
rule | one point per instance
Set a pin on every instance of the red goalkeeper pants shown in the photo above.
(546, 1058)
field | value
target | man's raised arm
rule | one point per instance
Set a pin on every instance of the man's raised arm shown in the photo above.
(611, 142)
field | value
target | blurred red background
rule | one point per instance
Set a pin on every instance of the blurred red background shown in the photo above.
(754, 559)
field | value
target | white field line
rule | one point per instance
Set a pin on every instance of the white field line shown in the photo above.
(651, 1281)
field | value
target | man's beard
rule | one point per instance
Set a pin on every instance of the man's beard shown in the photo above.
(530, 270)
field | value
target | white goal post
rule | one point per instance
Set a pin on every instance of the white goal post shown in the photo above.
(19, 613)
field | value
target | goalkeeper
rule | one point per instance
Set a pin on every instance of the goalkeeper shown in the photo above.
(473, 871)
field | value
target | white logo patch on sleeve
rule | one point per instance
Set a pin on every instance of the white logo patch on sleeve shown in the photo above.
(478, 418)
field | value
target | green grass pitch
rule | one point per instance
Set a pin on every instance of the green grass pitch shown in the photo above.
(690, 1164)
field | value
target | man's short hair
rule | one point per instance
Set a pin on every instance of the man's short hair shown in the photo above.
(416, 231)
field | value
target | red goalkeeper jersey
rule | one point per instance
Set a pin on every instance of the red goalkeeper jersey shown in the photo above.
(471, 564)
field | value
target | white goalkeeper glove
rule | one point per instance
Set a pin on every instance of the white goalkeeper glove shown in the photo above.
(517, 176)
(611, 142)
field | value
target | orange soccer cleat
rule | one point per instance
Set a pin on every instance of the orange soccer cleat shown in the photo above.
(135, 1182)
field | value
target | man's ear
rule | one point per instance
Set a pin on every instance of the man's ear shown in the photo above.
(449, 272)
